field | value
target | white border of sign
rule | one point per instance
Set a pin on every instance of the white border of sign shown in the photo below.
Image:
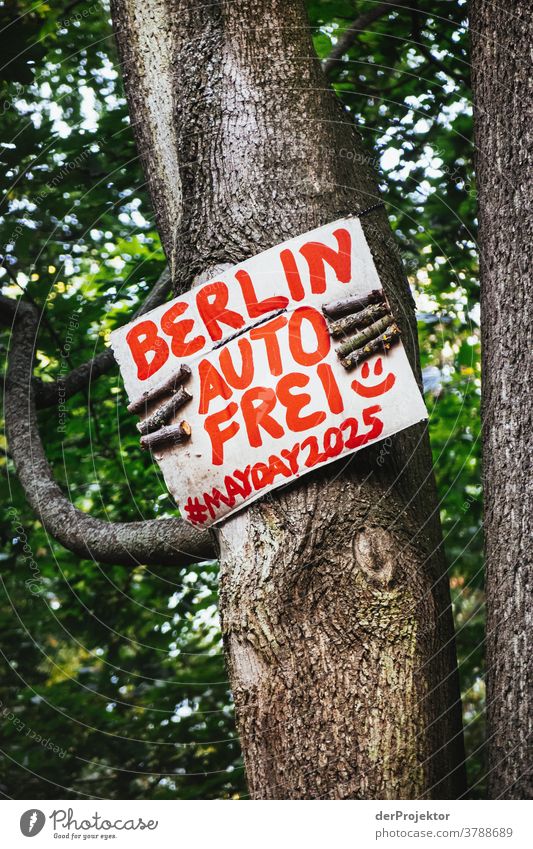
(230, 462)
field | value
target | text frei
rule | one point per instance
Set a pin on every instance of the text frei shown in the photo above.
(270, 400)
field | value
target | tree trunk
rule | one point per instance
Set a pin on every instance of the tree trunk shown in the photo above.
(501, 58)
(334, 600)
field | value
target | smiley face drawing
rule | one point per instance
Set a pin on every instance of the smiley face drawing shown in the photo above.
(374, 389)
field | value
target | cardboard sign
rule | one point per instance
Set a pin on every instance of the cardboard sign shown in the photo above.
(253, 379)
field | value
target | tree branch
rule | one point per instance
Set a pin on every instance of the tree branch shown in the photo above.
(170, 542)
(350, 34)
(426, 52)
(49, 394)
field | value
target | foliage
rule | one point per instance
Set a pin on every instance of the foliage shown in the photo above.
(122, 670)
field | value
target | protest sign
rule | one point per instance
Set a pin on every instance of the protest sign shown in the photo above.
(281, 364)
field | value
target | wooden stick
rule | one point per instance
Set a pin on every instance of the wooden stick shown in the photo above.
(162, 415)
(359, 319)
(173, 434)
(364, 336)
(169, 385)
(390, 337)
(336, 309)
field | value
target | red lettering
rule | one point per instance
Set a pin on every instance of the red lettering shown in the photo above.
(219, 436)
(314, 457)
(178, 330)
(294, 404)
(292, 275)
(196, 510)
(241, 482)
(292, 457)
(234, 489)
(242, 380)
(211, 301)
(278, 467)
(257, 405)
(333, 442)
(320, 328)
(331, 388)
(317, 255)
(142, 340)
(256, 308)
(369, 418)
(261, 475)
(267, 332)
(353, 440)
(243, 477)
(212, 385)
(214, 498)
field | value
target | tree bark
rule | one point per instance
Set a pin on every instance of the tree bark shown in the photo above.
(334, 599)
(501, 46)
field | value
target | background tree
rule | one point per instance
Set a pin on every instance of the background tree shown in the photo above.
(503, 99)
(87, 253)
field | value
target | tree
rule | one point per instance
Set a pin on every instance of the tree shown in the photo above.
(502, 96)
(356, 636)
